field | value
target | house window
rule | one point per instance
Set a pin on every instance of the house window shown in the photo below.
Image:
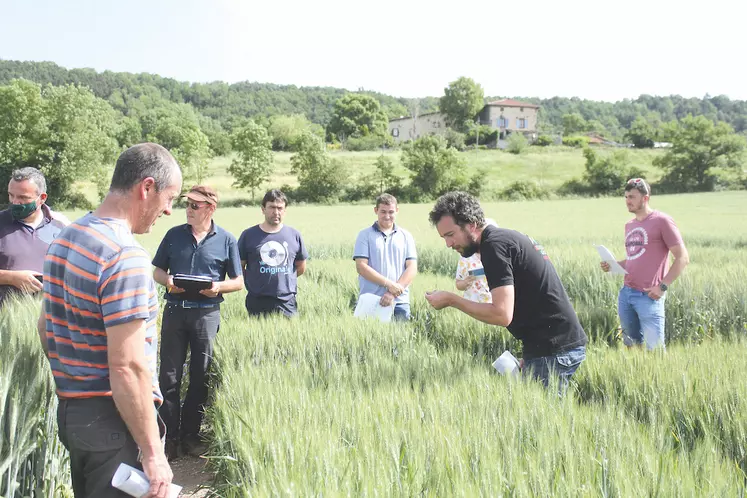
(521, 123)
(502, 122)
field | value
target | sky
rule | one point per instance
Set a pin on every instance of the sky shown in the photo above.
(600, 50)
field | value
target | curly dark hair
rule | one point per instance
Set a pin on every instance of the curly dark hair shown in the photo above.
(461, 206)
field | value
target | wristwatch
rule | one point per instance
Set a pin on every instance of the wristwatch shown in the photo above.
(663, 287)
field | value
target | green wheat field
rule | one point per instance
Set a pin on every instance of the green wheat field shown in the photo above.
(327, 405)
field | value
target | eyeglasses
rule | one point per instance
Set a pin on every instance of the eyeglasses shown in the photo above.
(194, 206)
(638, 182)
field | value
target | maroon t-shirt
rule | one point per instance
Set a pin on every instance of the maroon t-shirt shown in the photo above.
(647, 244)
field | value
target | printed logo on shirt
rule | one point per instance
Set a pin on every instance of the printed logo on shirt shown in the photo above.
(274, 258)
(635, 242)
(539, 248)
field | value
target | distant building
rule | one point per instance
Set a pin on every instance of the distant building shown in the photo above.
(507, 115)
(510, 116)
(407, 128)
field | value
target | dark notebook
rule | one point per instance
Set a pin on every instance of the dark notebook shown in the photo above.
(192, 282)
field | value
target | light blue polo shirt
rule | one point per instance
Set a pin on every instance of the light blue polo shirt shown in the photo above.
(386, 254)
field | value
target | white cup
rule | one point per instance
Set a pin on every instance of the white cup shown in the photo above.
(506, 364)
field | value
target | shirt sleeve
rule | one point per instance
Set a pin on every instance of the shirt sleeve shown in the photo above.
(361, 246)
(670, 233)
(411, 251)
(498, 265)
(462, 269)
(242, 246)
(126, 287)
(233, 268)
(161, 259)
(302, 254)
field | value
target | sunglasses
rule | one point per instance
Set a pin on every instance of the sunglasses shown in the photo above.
(194, 206)
(638, 182)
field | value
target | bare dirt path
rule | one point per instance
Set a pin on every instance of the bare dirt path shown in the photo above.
(192, 474)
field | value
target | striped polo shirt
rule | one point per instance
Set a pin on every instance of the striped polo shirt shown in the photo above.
(95, 276)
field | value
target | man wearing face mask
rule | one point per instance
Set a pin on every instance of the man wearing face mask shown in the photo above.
(27, 228)
(191, 318)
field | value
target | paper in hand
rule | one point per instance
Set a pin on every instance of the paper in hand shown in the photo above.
(134, 482)
(609, 258)
(369, 306)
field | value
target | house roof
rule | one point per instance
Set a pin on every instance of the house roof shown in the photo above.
(512, 103)
(410, 117)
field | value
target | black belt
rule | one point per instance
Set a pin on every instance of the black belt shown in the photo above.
(191, 304)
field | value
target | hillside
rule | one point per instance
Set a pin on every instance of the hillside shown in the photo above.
(225, 102)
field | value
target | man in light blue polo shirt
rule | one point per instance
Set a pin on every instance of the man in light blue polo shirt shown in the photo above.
(385, 258)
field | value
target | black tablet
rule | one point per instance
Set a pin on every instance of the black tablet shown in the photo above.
(192, 282)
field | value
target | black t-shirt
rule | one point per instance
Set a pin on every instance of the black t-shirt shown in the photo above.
(544, 319)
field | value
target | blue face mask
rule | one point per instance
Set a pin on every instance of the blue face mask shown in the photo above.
(23, 211)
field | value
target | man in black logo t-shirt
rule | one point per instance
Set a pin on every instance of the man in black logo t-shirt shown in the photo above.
(528, 296)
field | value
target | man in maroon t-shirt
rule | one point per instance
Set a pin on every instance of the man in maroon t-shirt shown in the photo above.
(649, 238)
(27, 228)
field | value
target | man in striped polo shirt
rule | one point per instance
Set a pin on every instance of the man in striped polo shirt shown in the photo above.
(98, 326)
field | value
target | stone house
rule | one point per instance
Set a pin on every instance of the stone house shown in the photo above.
(508, 115)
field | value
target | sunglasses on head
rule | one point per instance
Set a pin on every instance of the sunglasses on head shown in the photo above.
(638, 182)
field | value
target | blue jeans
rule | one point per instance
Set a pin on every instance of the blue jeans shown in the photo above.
(562, 365)
(401, 312)
(641, 317)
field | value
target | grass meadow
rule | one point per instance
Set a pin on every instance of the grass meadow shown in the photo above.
(550, 167)
(328, 405)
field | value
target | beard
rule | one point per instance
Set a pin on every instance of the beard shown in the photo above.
(470, 250)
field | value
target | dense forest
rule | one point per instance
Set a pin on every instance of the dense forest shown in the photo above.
(225, 103)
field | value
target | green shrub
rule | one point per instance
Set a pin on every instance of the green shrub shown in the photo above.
(544, 140)
(607, 174)
(576, 141)
(517, 143)
(486, 135)
(524, 190)
(455, 139)
(370, 142)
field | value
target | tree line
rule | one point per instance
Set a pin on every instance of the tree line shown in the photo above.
(72, 124)
(224, 103)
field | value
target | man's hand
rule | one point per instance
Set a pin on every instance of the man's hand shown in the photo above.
(212, 291)
(654, 293)
(439, 299)
(173, 289)
(395, 289)
(159, 474)
(26, 281)
(605, 266)
(387, 299)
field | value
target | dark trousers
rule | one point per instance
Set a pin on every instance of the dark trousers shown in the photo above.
(98, 441)
(267, 305)
(196, 329)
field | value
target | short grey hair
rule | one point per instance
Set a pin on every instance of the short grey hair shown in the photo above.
(33, 175)
(140, 162)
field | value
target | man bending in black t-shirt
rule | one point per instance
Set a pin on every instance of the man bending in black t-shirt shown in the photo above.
(528, 296)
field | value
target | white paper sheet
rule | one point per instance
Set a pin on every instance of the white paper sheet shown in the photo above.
(609, 258)
(134, 483)
(506, 364)
(368, 306)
